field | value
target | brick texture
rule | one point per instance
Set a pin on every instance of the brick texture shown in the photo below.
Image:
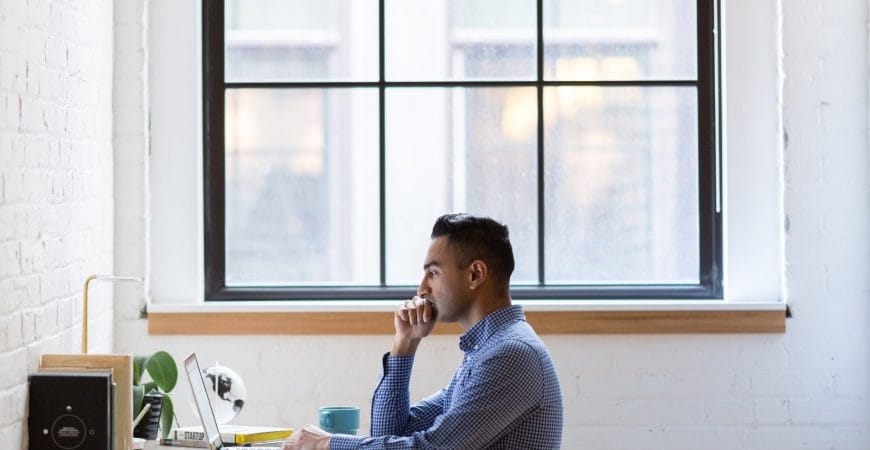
(71, 116)
(56, 212)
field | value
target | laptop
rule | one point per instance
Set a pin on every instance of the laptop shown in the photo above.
(203, 405)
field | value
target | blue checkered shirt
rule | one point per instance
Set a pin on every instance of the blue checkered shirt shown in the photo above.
(504, 395)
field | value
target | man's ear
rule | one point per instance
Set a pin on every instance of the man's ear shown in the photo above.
(477, 274)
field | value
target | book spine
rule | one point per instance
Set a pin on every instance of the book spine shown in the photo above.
(189, 435)
(183, 443)
(250, 438)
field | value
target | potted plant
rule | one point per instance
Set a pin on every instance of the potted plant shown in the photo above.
(163, 373)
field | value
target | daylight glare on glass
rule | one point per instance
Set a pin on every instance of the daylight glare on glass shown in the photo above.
(598, 183)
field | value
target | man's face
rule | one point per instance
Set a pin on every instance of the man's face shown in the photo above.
(444, 282)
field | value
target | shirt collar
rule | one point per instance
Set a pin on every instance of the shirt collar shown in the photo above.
(494, 321)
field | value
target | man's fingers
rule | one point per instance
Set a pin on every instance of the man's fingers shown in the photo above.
(415, 314)
(416, 311)
(311, 428)
(290, 442)
(309, 437)
(423, 311)
(427, 311)
(421, 305)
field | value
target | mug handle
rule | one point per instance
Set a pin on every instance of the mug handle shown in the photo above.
(326, 419)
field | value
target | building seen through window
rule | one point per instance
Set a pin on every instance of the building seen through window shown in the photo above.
(618, 158)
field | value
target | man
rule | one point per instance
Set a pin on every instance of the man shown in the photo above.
(504, 395)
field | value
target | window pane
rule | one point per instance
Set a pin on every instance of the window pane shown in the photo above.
(294, 40)
(302, 187)
(620, 40)
(459, 150)
(622, 185)
(459, 40)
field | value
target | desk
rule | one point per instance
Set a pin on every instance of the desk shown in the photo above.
(155, 445)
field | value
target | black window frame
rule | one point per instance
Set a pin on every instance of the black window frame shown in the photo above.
(709, 173)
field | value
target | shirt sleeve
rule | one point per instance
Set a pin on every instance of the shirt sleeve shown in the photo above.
(494, 394)
(391, 411)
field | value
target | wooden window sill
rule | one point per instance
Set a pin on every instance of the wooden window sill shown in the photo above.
(750, 320)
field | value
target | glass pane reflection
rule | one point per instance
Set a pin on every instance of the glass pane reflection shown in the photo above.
(302, 187)
(620, 40)
(301, 40)
(459, 150)
(460, 40)
(621, 185)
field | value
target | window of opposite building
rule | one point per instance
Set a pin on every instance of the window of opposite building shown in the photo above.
(336, 131)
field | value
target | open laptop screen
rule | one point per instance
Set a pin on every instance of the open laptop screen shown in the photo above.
(200, 395)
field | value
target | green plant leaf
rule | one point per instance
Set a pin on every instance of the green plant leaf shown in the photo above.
(139, 362)
(162, 369)
(138, 396)
(166, 415)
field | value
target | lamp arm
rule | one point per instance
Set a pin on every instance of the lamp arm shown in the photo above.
(85, 313)
(85, 302)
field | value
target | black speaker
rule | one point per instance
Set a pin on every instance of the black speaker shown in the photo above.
(70, 411)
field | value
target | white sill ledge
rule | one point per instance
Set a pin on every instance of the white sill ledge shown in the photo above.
(528, 305)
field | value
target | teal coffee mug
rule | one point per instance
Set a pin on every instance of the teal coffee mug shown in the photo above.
(339, 419)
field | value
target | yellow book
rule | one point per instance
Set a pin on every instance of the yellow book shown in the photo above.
(235, 434)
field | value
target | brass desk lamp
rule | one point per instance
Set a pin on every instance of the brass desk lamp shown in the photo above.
(121, 367)
(110, 278)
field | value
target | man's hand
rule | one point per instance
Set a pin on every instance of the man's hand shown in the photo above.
(414, 320)
(309, 438)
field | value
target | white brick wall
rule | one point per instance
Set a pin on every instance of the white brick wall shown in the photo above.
(131, 143)
(806, 389)
(56, 215)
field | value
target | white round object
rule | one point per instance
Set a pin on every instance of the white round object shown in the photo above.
(226, 391)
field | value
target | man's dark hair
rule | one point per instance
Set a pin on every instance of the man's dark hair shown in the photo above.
(472, 237)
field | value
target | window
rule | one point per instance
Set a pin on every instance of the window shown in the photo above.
(336, 131)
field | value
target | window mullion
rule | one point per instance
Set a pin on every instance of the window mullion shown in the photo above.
(540, 93)
(382, 156)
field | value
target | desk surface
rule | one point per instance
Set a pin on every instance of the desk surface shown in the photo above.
(155, 445)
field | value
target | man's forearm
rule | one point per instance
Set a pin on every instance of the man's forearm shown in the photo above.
(404, 346)
(391, 399)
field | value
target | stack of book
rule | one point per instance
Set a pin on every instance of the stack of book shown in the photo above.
(104, 407)
(71, 409)
(235, 435)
